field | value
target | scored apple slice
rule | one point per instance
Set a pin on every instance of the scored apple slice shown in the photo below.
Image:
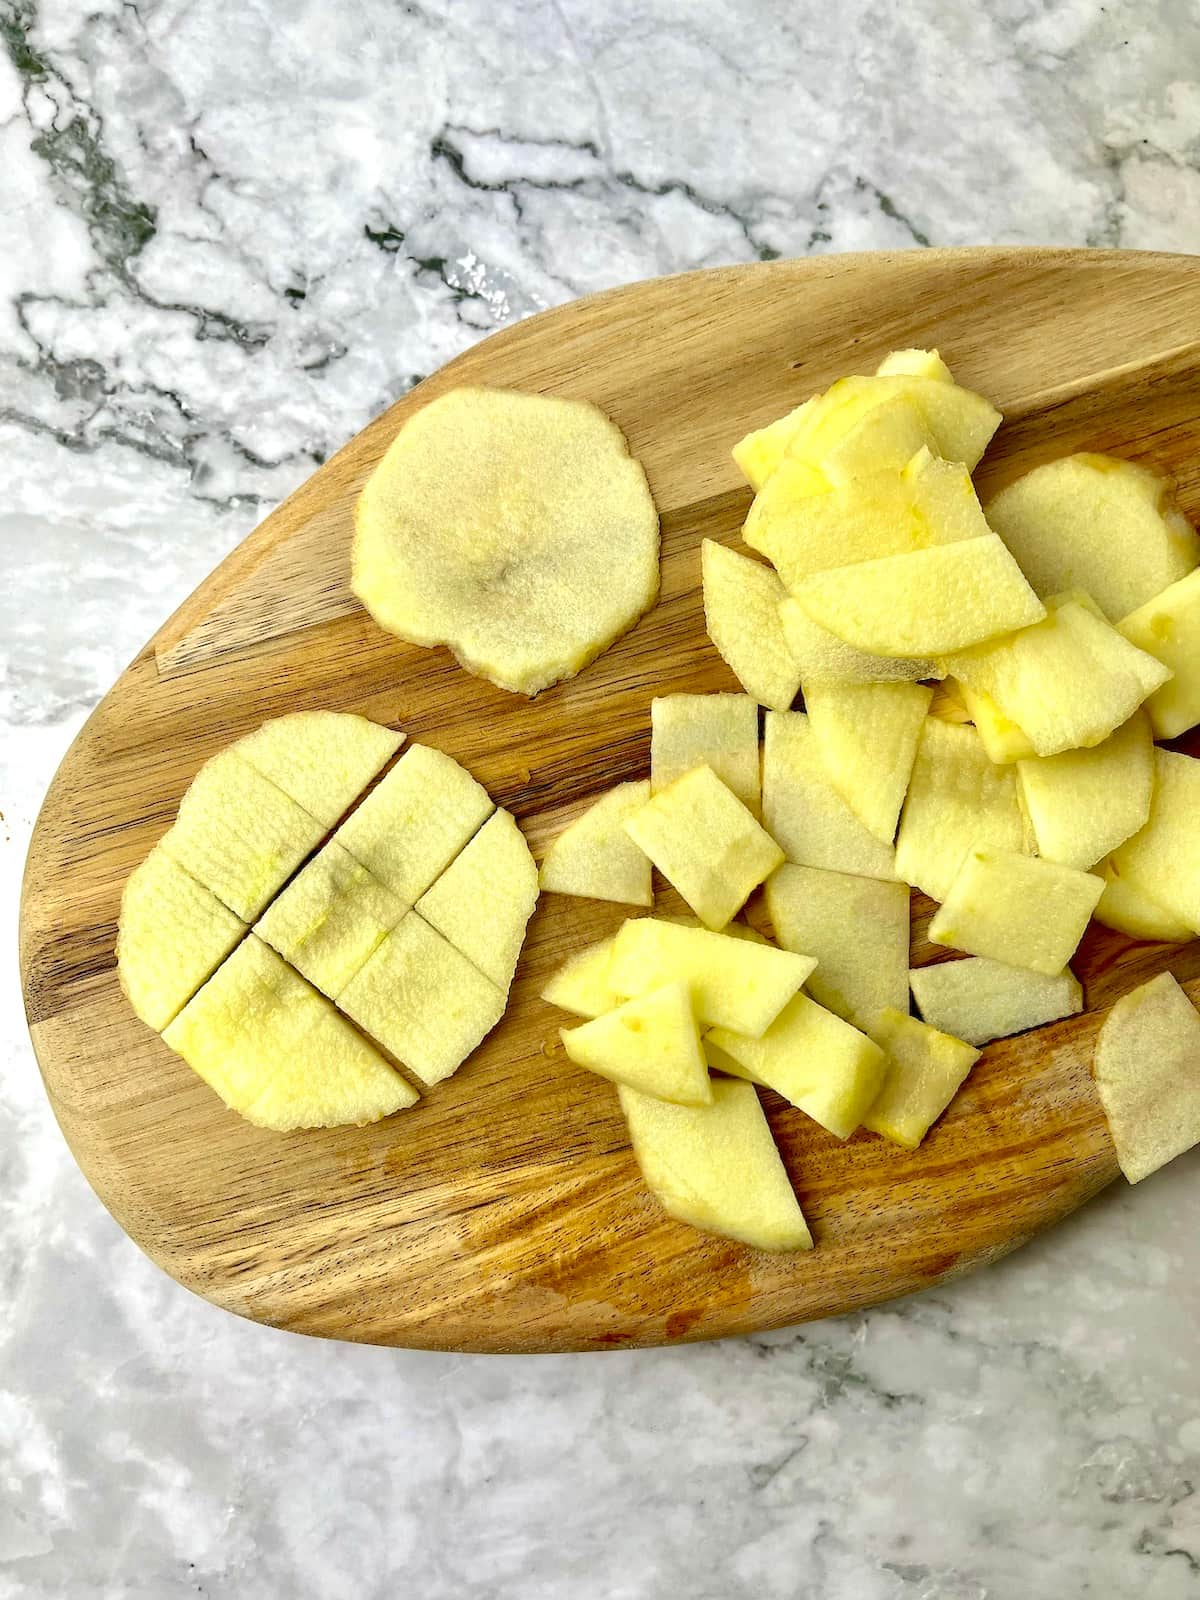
(1084, 803)
(1096, 523)
(979, 1000)
(1130, 910)
(925, 602)
(741, 615)
(706, 843)
(483, 901)
(1017, 909)
(803, 811)
(926, 1069)
(716, 1166)
(582, 984)
(719, 731)
(651, 1043)
(824, 658)
(815, 1060)
(1168, 628)
(856, 928)
(868, 734)
(322, 759)
(1163, 858)
(1147, 1073)
(594, 857)
(735, 983)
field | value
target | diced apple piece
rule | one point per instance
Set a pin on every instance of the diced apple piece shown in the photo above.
(824, 658)
(741, 614)
(1147, 1072)
(957, 798)
(868, 734)
(926, 1069)
(582, 985)
(1130, 910)
(1168, 627)
(595, 858)
(716, 1166)
(1163, 859)
(819, 1063)
(926, 602)
(278, 1052)
(423, 1001)
(706, 843)
(1084, 803)
(651, 1043)
(719, 731)
(735, 982)
(1066, 682)
(979, 1000)
(1002, 739)
(1017, 909)
(415, 822)
(322, 759)
(483, 901)
(914, 364)
(1096, 523)
(172, 935)
(330, 919)
(239, 835)
(805, 813)
(856, 928)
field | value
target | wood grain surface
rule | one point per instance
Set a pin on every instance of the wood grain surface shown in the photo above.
(505, 1211)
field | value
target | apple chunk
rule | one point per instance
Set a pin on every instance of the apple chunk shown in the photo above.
(322, 759)
(1017, 909)
(483, 901)
(979, 1000)
(650, 1043)
(925, 1070)
(1168, 627)
(582, 984)
(719, 731)
(1084, 803)
(741, 614)
(867, 734)
(1130, 910)
(805, 813)
(1163, 858)
(595, 858)
(716, 1166)
(1147, 1072)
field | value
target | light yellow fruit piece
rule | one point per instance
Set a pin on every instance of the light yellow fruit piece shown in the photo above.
(979, 1000)
(734, 982)
(1147, 1072)
(1084, 803)
(719, 731)
(650, 1043)
(593, 857)
(759, 453)
(1128, 909)
(483, 901)
(1017, 909)
(1002, 739)
(925, 603)
(926, 1068)
(1168, 628)
(322, 759)
(1066, 682)
(706, 843)
(928, 503)
(822, 1065)
(330, 919)
(805, 813)
(423, 1001)
(856, 928)
(582, 984)
(1163, 858)
(515, 528)
(412, 825)
(716, 1166)
(914, 364)
(957, 798)
(867, 734)
(239, 835)
(280, 1053)
(824, 658)
(172, 934)
(1096, 523)
(741, 614)
(886, 439)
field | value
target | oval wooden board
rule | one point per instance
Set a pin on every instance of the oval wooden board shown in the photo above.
(505, 1211)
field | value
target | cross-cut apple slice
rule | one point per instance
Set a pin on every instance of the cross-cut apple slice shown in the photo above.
(1130, 910)
(719, 731)
(741, 614)
(322, 759)
(582, 984)
(926, 1069)
(979, 1000)
(650, 1043)
(1084, 803)
(824, 658)
(1163, 858)
(1147, 1072)
(868, 735)
(595, 858)
(803, 811)
(1017, 909)
(1168, 628)
(483, 901)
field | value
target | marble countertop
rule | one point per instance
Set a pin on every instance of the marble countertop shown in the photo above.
(231, 233)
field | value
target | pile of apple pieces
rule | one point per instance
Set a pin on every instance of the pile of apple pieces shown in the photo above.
(298, 933)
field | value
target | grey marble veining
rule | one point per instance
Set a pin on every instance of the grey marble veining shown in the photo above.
(229, 234)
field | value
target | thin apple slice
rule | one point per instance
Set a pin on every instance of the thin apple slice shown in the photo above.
(1084, 803)
(1003, 740)
(926, 1069)
(651, 1044)
(582, 984)
(1168, 627)
(824, 658)
(595, 858)
(868, 734)
(1147, 1073)
(1130, 910)
(979, 1000)
(741, 614)
(483, 901)
(719, 731)
(322, 759)
(1017, 909)
(805, 813)
(1163, 858)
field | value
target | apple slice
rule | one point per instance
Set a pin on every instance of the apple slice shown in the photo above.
(805, 813)
(322, 759)
(926, 1069)
(868, 734)
(483, 901)
(719, 731)
(1168, 627)
(885, 439)
(824, 658)
(716, 1166)
(651, 1044)
(914, 364)
(741, 614)
(1096, 523)
(1084, 803)
(856, 928)
(735, 982)
(1163, 858)
(1002, 739)
(1147, 1072)
(582, 984)
(706, 843)
(1017, 909)
(979, 1000)
(595, 858)
(1130, 910)
(822, 1065)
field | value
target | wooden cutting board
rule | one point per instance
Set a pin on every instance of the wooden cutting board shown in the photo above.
(505, 1211)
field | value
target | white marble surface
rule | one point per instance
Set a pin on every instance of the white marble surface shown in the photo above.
(229, 234)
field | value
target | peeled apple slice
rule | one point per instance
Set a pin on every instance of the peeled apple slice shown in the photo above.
(706, 730)
(1168, 627)
(1147, 1072)
(515, 528)
(824, 658)
(483, 901)
(322, 759)
(926, 1069)
(1130, 910)
(650, 1043)
(805, 813)
(979, 1000)
(1017, 909)
(595, 858)
(1084, 803)
(868, 734)
(1163, 858)
(741, 614)
(582, 984)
